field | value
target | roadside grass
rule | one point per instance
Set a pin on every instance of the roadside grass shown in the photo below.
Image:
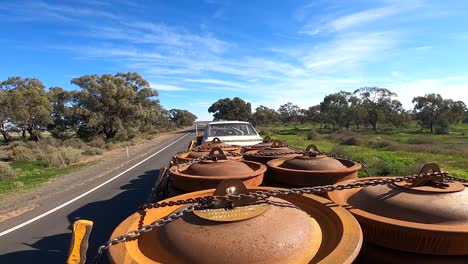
(33, 173)
(395, 153)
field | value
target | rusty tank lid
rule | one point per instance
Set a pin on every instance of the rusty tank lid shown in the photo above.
(289, 229)
(208, 173)
(218, 167)
(277, 148)
(216, 142)
(312, 161)
(427, 216)
(267, 142)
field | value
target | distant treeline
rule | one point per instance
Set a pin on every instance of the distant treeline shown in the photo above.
(367, 106)
(109, 106)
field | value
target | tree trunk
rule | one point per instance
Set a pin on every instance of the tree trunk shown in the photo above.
(6, 136)
(333, 124)
(23, 134)
(35, 135)
(374, 125)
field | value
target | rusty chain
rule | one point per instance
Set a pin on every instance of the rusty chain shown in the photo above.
(204, 202)
(305, 152)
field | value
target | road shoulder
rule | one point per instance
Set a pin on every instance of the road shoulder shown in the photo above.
(19, 203)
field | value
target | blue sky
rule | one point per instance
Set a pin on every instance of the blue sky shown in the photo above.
(266, 52)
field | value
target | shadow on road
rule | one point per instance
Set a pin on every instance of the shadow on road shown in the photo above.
(106, 215)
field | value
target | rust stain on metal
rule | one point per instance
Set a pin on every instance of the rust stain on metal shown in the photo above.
(428, 219)
(311, 169)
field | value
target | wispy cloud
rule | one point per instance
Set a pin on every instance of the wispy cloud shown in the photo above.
(166, 87)
(217, 82)
(356, 19)
(449, 87)
(423, 48)
(39, 10)
(349, 50)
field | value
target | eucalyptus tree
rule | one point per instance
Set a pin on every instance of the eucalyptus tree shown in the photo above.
(378, 102)
(432, 109)
(63, 115)
(182, 117)
(5, 114)
(110, 103)
(29, 106)
(289, 112)
(265, 116)
(231, 109)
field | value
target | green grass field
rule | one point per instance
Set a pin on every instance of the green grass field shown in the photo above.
(401, 152)
(31, 174)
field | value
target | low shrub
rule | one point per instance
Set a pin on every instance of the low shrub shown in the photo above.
(352, 141)
(60, 157)
(74, 143)
(18, 184)
(92, 151)
(70, 155)
(6, 172)
(24, 153)
(54, 159)
(4, 154)
(313, 135)
(379, 167)
(421, 140)
(379, 144)
(442, 127)
(98, 142)
(264, 131)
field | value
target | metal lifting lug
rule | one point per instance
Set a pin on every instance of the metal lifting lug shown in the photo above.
(435, 180)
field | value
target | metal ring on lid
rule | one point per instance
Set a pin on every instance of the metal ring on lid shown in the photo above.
(267, 142)
(337, 237)
(275, 151)
(311, 169)
(209, 173)
(412, 220)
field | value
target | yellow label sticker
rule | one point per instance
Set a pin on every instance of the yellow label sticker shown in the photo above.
(230, 215)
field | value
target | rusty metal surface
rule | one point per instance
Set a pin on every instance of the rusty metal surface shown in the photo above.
(275, 151)
(261, 238)
(371, 254)
(319, 174)
(205, 149)
(267, 142)
(410, 219)
(208, 174)
(216, 142)
(313, 163)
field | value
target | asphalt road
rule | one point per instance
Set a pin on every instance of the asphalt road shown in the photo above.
(47, 240)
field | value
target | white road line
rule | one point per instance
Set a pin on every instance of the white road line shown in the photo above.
(86, 193)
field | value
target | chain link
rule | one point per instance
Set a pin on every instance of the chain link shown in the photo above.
(305, 152)
(203, 202)
(453, 178)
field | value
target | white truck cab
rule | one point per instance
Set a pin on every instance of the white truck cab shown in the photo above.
(232, 132)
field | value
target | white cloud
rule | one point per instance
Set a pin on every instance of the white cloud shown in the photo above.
(166, 87)
(39, 10)
(349, 50)
(363, 17)
(339, 23)
(454, 87)
(423, 48)
(217, 82)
